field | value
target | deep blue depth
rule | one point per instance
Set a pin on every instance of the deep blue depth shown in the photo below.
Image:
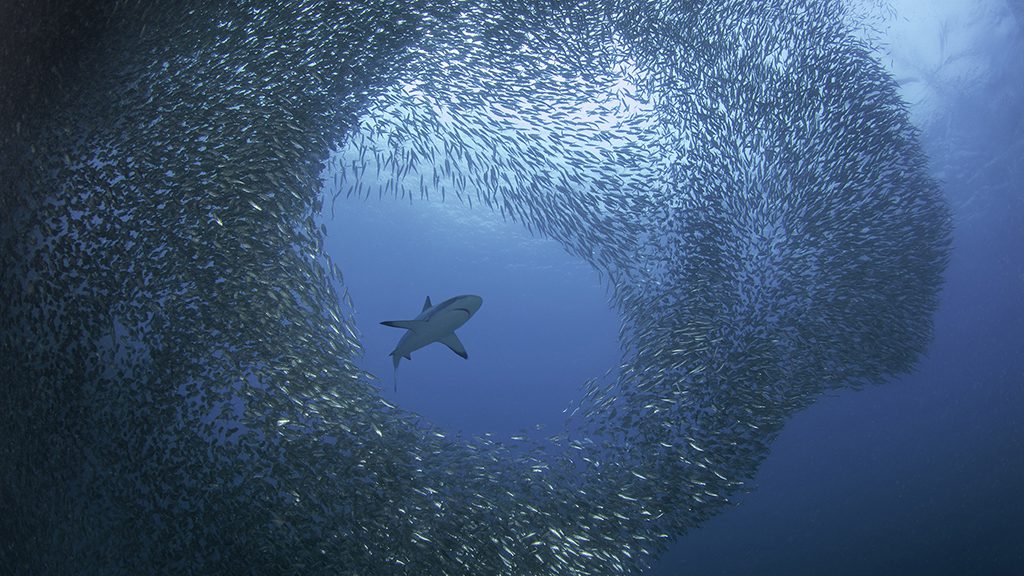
(920, 475)
(544, 328)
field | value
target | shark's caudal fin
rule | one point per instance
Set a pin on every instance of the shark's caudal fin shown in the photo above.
(395, 358)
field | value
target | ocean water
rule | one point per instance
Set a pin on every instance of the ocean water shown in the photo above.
(546, 325)
(694, 369)
(921, 475)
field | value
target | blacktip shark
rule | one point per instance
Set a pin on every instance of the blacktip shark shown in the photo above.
(434, 324)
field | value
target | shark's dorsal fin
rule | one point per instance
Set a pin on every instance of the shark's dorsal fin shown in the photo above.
(407, 324)
(426, 305)
(452, 341)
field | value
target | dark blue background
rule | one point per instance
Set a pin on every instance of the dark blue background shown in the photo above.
(920, 475)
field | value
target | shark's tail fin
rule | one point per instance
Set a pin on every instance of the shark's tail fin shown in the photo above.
(395, 359)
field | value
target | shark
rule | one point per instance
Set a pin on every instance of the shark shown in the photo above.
(434, 324)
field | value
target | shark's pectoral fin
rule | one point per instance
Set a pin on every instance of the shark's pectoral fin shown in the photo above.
(407, 324)
(452, 341)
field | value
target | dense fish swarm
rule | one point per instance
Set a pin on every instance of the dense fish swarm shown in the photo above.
(179, 392)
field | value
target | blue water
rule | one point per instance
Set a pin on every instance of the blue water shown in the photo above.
(545, 327)
(921, 475)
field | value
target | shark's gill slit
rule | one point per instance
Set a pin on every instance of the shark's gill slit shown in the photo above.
(394, 252)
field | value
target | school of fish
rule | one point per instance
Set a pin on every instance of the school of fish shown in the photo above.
(180, 393)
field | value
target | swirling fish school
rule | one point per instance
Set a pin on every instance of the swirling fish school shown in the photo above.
(180, 392)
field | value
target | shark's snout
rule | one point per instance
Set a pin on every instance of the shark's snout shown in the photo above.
(471, 302)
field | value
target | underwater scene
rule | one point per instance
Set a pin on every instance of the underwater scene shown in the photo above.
(512, 287)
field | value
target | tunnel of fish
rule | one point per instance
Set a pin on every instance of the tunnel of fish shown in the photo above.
(180, 392)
